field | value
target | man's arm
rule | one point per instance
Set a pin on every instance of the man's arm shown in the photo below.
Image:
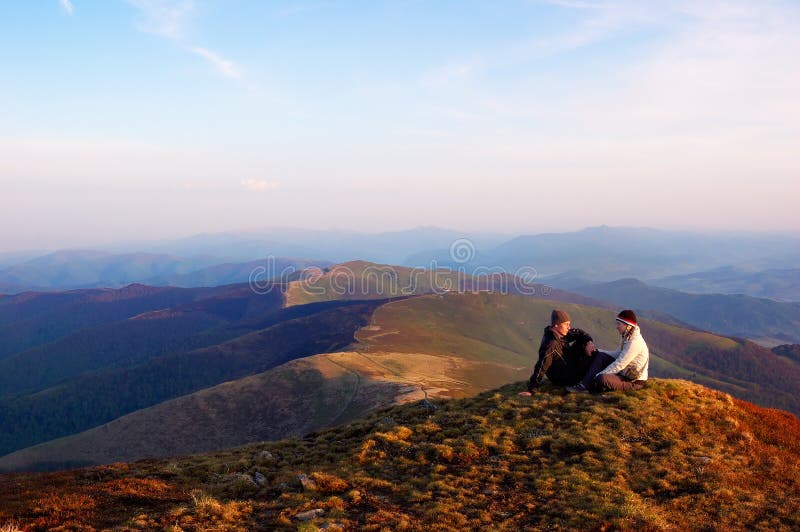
(578, 335)
(581, 338)
(546, 353)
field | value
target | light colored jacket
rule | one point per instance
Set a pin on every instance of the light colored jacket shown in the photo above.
(632, 358)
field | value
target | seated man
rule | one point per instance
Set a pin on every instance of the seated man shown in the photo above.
(564, 354)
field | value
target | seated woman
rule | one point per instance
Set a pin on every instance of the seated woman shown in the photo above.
(564, 354)
(625, 368)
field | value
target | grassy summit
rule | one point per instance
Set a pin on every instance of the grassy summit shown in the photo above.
(673, 456)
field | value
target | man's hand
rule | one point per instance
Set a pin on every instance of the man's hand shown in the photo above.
(590, 348)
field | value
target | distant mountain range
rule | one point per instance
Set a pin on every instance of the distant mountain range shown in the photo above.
(607, 253)
(226, 366)
(89, 269)
(781, 285)
(238, 272)
(334, 245)
(759, 265)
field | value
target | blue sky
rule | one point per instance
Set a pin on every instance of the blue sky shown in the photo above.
(129, 119)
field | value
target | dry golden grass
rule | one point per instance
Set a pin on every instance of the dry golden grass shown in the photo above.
(674, 456)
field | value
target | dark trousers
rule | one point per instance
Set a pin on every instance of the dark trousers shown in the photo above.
(600, 361)
(608, 381)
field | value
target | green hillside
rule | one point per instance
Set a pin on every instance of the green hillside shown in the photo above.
(362, 280)
(507, 329)
(674, 456)
(739, 315)
(435, 346)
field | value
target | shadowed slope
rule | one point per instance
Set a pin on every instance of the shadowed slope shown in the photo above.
(36, 318)
(100, 397)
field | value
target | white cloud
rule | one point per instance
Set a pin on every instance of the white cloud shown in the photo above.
(67, 6)
(167, 18)
(258, 185)
(224, 66)
(163, 17)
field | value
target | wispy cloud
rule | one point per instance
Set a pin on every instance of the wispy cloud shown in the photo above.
(168, 18)
(599, 20)
(67, 6)
(163, 17)
(258, 185)
(709, 65)
(225, 67)
(602, 20)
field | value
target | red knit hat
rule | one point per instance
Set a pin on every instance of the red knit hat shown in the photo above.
(627, 317)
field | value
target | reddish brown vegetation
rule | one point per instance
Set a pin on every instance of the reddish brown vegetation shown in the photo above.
(83, 499)
(674, 456)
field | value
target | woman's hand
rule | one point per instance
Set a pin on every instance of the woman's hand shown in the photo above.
(590, 348)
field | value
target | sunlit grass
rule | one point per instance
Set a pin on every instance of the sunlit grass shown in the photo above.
(673, 456)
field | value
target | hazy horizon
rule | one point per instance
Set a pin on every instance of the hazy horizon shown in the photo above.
(145, 244)
(139, 120)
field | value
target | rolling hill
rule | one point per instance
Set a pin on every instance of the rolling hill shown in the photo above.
(790, 351)
(771, 322)
(362, 280)
(93, 398)
(674, 456)
(434, 346)
(92, 367)
(777, 284)
(31, 319)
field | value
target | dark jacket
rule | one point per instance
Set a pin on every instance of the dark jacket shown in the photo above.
(562, 359)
